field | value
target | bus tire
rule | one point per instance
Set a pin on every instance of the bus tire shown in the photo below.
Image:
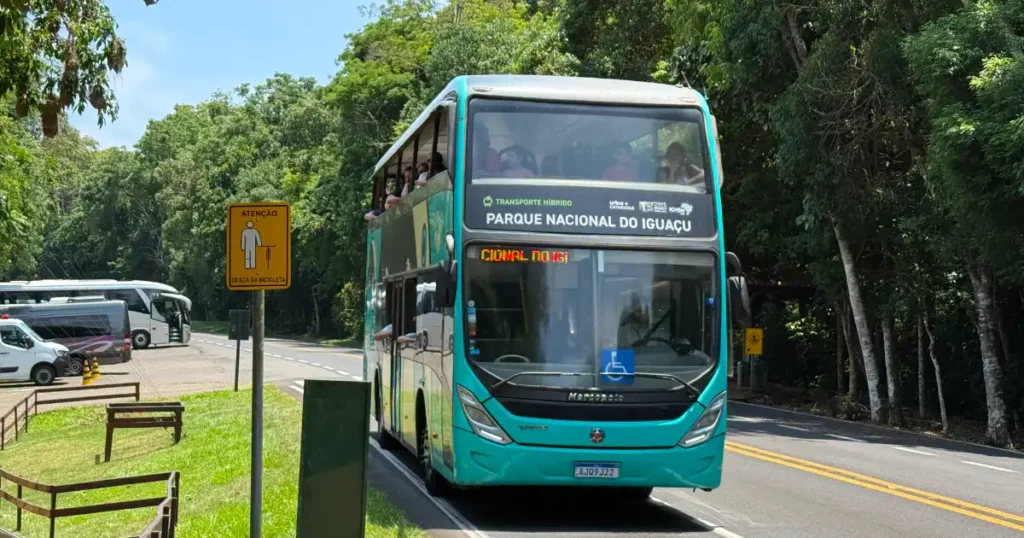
(434, 482)
(140, 339)
(76, 366)
(43, 374)
(384, 439)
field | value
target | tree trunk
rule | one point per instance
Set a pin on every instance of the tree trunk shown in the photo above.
(1004, 340)
(922, 402)
(851, 351)
(938, 372)
(316, 314)
(879, 413)
(840, 346)
(892, 373)
(998, 432)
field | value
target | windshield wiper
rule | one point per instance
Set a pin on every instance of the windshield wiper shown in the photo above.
(682, 384)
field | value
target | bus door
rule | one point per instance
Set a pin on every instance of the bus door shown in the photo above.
(158, 326)
(407, 351)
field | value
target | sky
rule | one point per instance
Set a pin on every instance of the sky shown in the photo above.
(182, 51)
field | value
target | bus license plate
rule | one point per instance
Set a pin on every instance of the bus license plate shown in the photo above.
(596, 470)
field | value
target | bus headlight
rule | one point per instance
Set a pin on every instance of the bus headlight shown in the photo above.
(704, 428)
(481, 421)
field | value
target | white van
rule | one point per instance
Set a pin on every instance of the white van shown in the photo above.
(25, 356)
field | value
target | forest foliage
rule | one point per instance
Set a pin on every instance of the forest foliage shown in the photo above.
(873, 153)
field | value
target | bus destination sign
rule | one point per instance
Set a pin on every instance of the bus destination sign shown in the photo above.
(523, 255)
(589, 210)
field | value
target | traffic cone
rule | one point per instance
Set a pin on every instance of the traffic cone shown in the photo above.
(86, 373)
(96, 369)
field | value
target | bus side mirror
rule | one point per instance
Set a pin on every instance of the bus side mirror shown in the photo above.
(29, 344)
(734, 263)
(449, 243)
(739, 301)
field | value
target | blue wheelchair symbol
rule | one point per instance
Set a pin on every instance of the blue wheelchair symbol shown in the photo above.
(617, 366)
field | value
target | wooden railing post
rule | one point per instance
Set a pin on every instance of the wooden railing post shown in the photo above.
(3, 432)
(35, 403)
(26, 414)
(15, 423)
(174, 503)
(18, 528)
(53, 508)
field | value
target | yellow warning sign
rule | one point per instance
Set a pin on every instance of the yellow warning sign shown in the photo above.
(755, 341)
(259, 246)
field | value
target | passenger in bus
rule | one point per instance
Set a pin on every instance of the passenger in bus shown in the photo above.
(436, 164)
(681, 167)
(485, 159)
(624, 167)
(517, 162)
(394, 196)
(376, 211)
(550, 166)
(407, 185)
(424, 170)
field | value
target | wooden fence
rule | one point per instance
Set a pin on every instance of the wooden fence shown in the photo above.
(30, 405)
(162, 526)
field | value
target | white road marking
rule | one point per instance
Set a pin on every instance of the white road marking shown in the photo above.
(303, 362)
(714, 528)
(298, 385)
(344, 373)
(328, 368)
(275, 355)
(453, 514)
(993, 467)
(843, 437)
(288, 358)
(317, 364)
(912, 451)
(797, 428)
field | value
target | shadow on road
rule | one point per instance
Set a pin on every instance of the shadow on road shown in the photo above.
(565, 510)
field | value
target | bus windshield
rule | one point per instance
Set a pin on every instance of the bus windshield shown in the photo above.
(623, 144)
(587, 313)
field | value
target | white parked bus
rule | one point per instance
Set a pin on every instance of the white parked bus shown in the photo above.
(158, 313)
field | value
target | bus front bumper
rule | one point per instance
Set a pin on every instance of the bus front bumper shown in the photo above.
(483, 463)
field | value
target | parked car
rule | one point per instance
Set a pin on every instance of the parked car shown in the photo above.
(98, 330)
(25, 356)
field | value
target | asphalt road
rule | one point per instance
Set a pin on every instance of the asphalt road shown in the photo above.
(787, 475)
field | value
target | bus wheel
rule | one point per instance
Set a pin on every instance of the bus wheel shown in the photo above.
(436, 484)
(384, 439)
(140, 339)
(75, 366)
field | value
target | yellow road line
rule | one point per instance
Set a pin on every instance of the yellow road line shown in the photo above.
(975, 511)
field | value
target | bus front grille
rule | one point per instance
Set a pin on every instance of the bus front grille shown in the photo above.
(599, 412)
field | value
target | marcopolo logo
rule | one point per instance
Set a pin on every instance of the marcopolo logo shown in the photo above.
(488, 201)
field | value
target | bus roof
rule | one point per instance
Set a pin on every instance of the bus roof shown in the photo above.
(82, 284)
(552, 88)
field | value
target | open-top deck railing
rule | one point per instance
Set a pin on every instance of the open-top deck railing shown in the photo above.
(162, 526)
(30, 405)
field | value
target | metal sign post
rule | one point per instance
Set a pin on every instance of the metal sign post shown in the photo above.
(238, 330)
(753, 348)
(251, 227)
(256, 503)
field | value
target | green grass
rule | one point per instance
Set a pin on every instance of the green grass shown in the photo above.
(66, 446)
(221, 327)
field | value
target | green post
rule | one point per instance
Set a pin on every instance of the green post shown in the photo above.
(332, 462)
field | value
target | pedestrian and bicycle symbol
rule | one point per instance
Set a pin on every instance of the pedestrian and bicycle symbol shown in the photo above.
(259, 246)
(618, 366)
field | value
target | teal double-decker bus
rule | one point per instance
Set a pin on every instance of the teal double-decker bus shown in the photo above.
(547, 287)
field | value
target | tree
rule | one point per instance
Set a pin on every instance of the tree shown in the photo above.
(56, 55)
